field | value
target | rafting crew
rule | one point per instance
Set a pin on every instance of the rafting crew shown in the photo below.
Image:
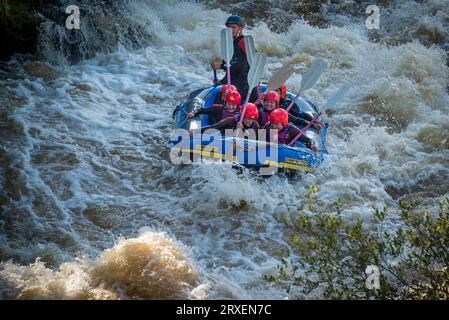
(239, 63)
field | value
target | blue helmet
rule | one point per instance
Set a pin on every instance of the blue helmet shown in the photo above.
(235, 20)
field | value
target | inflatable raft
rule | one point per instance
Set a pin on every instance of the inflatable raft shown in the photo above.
(187, 148)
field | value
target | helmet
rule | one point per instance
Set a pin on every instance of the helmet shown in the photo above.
(272, 95)
(251, 112)
(283, 89)
(234, 97)
(235, 20)
(224, 88)
(279, 115)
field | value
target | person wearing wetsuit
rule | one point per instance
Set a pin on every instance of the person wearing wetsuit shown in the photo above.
(218, 112)
(220, 97)
(270, 103)
(239, 63)
(286, 132)
(300, 118)
(249, 121)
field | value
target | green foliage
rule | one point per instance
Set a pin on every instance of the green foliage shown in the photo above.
(334, 253)
(15, 13)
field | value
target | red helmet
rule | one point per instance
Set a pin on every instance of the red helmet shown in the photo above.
(272, 95)
(233, 97)
(251, 112)
(279, 115)
(224, 88)
(283, 89)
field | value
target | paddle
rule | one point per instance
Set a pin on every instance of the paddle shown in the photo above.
(250, 48)
(250, 52)
(278, 79)
(254, 75)
(227, 51)
(309, 79)
(330, 103)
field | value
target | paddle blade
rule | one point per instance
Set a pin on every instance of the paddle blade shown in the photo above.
(250, 49)
(337, 96)
(227, 45)
(279, 78)
(311, 76)
(256, 70)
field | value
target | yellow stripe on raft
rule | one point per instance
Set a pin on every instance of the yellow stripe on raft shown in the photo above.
(221, 156)
(288, 166)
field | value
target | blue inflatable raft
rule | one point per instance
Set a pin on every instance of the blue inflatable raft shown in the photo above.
(187, 148)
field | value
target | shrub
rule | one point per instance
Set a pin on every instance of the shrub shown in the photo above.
(330, 254)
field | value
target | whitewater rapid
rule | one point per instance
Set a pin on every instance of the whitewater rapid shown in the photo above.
(89, 191)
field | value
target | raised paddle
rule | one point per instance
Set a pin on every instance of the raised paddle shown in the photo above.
(309, 79)
(254, 75)
(227, 51)
(278, 79)
(250, 48)
(330, 103)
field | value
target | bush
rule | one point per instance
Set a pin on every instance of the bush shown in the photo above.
(330, 254)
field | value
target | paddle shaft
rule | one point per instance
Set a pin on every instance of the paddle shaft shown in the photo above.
(305, 128)
(244, 107)
(259, 95)
(292, 103)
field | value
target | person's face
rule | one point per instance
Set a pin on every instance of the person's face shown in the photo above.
(235, 29)
(248, 122)
(278, 126)
(269, 105)
(231, 107)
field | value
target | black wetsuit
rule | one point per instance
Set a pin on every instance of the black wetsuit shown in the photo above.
(230, 123)
(284, 103)
(239, 70)
(215, 113)
(264, 114)
(286, 135)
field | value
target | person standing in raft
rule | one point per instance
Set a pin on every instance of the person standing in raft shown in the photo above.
(239, 63)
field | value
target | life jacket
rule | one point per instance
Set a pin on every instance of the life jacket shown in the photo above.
(263, 116)
(239, 56)
(282, 135)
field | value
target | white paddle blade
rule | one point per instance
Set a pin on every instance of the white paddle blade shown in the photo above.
(250, 49)
(227, 45)
(256, 70)
(337, 96)
(311, 76)
(279, 78)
